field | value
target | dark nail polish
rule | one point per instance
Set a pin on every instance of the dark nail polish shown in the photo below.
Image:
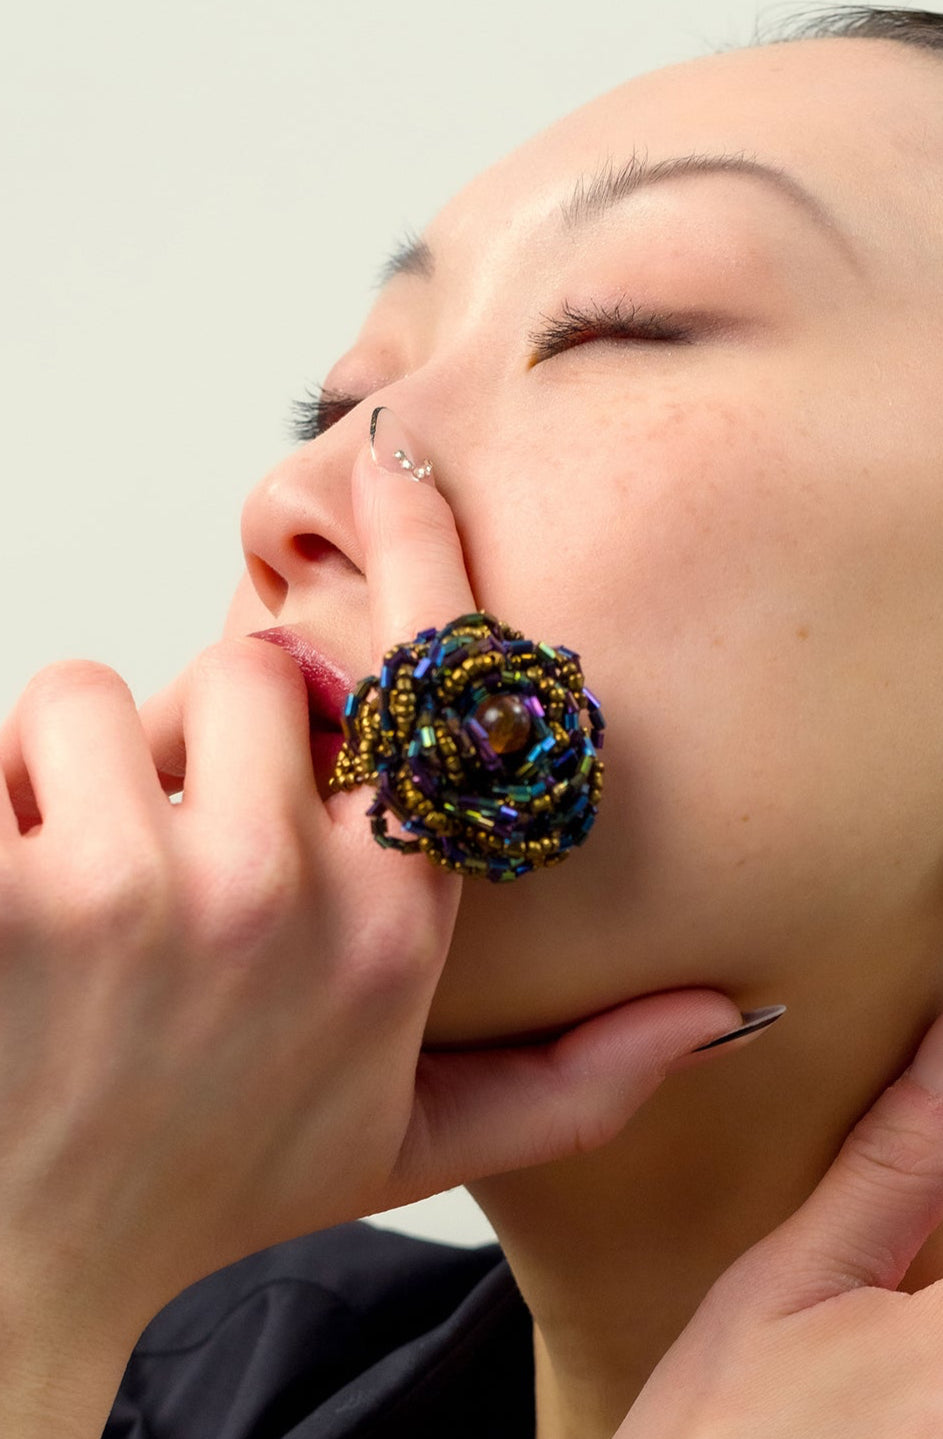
(753, 1020)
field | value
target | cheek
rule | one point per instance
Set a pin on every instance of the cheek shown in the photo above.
(769, 646)
(630, 530)
(757, 636)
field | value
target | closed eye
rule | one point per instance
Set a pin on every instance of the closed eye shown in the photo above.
(321, 407)
(602, 322)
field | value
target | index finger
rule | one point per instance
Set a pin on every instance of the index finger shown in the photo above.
(413, 557)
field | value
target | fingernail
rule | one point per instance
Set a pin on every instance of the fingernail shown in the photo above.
(753, 1020)
(394, 448)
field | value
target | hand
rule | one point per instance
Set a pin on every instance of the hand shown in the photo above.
(212, 1013)
(806, 1334)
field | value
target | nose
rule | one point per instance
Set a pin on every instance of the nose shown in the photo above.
(297, 524)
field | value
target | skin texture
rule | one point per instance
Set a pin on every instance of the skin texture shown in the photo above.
(741, 538)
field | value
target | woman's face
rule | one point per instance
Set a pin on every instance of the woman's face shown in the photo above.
(741, 533)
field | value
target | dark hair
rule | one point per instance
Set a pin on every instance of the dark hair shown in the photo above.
(923, 28)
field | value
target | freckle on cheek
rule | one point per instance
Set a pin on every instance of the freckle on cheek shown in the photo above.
(802, 632)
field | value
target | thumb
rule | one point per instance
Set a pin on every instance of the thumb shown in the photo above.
(872, 1212)
(491, 1111)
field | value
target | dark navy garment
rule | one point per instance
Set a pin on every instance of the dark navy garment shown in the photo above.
(355, 1331)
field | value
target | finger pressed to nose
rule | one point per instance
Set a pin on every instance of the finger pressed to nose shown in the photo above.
(413, 556)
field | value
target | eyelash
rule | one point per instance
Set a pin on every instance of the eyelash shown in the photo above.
(603, 322)
(321, 407)
(317, 411)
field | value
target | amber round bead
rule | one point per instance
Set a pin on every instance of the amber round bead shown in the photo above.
(506, 721)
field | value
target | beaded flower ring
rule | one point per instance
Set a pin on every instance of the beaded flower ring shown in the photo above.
(473, 741)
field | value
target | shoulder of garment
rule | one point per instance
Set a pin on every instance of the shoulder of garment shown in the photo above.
(352, 1331)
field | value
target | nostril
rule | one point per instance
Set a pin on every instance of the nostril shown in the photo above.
(313, 547)
(268, 584)
(316, 547)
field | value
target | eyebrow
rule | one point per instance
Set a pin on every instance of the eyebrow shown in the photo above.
(598, 193)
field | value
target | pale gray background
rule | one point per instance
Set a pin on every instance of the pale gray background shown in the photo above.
(196, 197)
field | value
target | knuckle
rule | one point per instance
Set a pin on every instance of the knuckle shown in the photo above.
(870, 1256)
(117, 897)
(64, 677)
(897, 1145)
(251, 895)
(391, 959)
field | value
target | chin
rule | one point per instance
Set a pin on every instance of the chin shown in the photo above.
(472, 1011)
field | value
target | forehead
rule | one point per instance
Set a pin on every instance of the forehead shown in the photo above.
(856, 120)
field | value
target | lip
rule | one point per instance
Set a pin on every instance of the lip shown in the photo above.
(328, 685)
